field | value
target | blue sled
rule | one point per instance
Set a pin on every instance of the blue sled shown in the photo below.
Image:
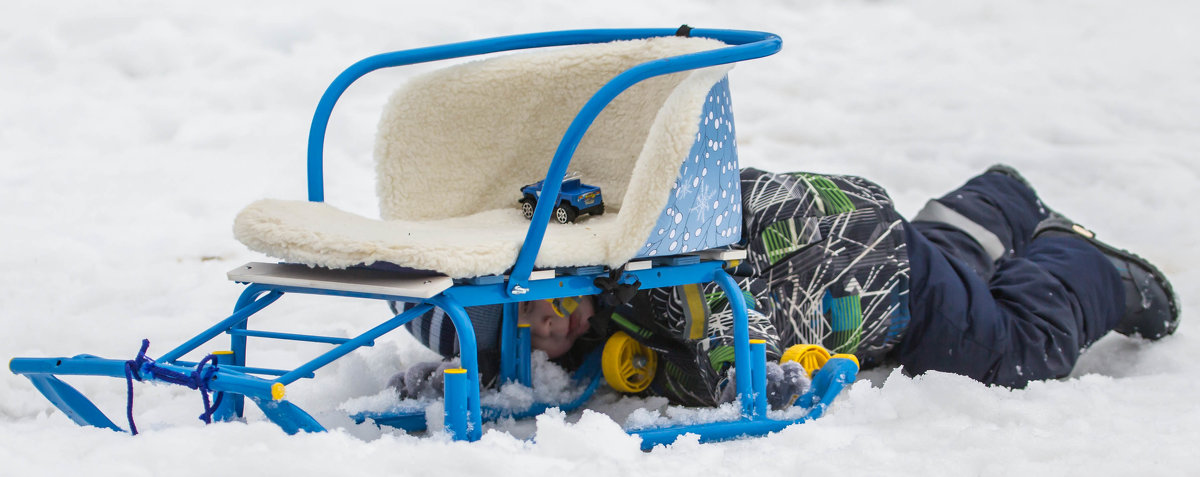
(224, 379)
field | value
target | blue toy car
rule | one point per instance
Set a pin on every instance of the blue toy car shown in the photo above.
(575, 198)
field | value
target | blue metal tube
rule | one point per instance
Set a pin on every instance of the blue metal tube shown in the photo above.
(237, 344)
(238, 316)
(758, 362)
(234, 382)
(227, 410)
(291, 336)
(266, 371)
(288, 416)
(468, 356)
(829, 381)
(716, 431)
(222, 381)
(316, 134)
(245, 369)
(741, 340)
(508, 342)
(456, 404)
(68, 366)
(576, 285)
(353, 344)
(524, 362)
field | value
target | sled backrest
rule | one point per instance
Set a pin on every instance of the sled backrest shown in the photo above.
(466, 138)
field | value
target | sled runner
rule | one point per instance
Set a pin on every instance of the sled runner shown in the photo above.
(642, 113)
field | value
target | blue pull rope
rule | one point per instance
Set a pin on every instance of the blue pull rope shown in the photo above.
(132, 369)
(200, 377)
(197, 379)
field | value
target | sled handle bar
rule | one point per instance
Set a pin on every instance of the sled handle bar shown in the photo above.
(744, 45)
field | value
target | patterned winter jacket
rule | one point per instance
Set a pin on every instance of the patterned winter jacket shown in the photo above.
(826, 265)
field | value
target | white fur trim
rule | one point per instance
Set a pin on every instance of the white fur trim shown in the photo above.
(456, 145)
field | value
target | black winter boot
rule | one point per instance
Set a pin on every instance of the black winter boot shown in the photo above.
(1151, 307)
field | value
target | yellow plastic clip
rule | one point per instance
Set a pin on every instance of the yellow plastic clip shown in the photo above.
(277, 391)
(849, 357)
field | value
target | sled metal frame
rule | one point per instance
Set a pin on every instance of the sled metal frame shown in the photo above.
(463, 413)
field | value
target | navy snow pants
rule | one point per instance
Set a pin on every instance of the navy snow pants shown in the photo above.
(989, 302)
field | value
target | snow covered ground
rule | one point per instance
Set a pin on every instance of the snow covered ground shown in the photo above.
(131, 133)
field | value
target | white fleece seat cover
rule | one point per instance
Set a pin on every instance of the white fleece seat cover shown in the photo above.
(456, 145)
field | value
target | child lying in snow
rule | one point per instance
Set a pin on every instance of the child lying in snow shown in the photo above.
(985, 282)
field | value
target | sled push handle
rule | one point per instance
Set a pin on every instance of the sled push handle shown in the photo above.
(743, 45)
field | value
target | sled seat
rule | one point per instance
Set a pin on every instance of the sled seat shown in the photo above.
(455, 147)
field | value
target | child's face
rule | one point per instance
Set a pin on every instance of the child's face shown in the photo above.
(552, 332)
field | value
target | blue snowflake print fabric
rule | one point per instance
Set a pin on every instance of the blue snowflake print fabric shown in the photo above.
(704, 209)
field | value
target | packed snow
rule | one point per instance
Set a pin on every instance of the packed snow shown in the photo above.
(132, 132)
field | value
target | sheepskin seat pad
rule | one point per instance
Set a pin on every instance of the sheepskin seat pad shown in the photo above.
(456, 145)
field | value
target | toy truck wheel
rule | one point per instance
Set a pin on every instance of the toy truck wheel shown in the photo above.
(564, 214)
(628, 366)
(811, 356)
(527, 209)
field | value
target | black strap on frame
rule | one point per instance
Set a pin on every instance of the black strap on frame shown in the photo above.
(612, 291)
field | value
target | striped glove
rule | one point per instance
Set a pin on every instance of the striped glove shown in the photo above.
(785, 383)
(422, 380)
